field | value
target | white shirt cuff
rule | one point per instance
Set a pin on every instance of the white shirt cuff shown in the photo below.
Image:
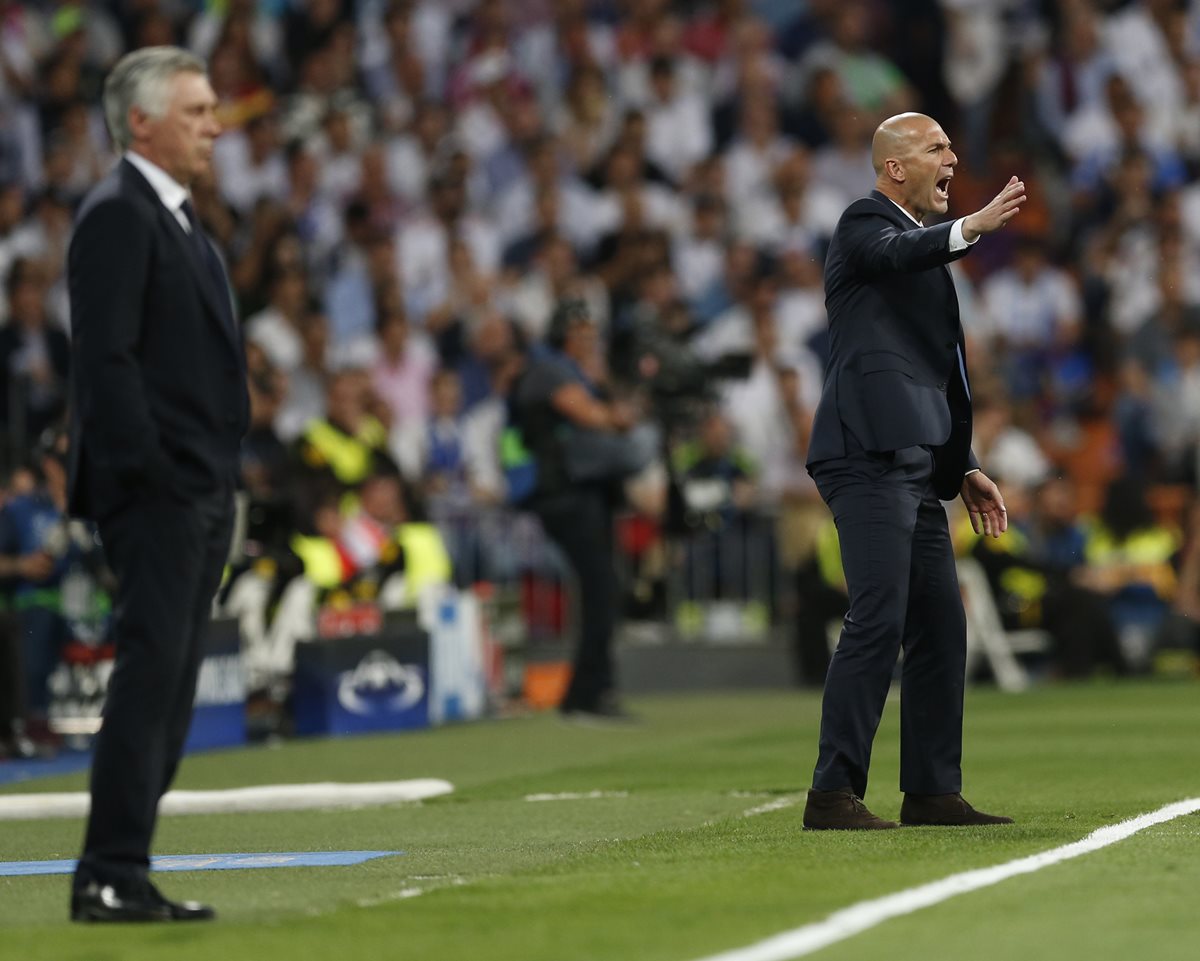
(973, 470)
(957, 242)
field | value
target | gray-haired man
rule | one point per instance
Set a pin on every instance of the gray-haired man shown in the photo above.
(159, 410)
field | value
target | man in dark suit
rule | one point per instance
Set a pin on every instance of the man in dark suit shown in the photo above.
(892, 436)
(159, 407)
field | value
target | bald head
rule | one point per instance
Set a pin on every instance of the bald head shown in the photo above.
(897, 138)
(913, 163)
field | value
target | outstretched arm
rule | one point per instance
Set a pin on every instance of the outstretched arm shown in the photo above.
(1000, 211)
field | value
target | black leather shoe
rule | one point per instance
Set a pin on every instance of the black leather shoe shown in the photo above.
(96, 901)
(841, 811)
(944, 810)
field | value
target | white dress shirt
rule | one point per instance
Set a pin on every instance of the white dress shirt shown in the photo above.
(170, 191)
(957, 241)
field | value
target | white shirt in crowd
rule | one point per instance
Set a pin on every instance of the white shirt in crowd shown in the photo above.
(1030, 312)
(242, 182)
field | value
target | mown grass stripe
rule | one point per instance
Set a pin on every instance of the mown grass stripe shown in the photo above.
(860, 917)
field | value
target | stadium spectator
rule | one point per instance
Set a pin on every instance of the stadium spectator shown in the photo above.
(54, 589)
(463, 163)
(343, 448)
(1035, 310)
(276, 328)
(35, 359)
(548, 399)
(306, 385)
(1131, 559)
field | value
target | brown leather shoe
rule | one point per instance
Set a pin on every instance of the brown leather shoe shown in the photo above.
(944, 810)
(840, 811)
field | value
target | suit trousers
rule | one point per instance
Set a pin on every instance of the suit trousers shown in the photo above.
(168, 556)
(903, 594)
(580, 522)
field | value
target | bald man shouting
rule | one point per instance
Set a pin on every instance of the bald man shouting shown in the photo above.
(890, 439)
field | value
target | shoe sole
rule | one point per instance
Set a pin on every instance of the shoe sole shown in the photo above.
(102, 917)
(853, 827)
(955, 824)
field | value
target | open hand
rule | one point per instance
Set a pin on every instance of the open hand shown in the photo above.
(984, 504)
(1001, 210)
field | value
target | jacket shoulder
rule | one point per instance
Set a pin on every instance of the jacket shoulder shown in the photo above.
(869, 207)
(114, 194)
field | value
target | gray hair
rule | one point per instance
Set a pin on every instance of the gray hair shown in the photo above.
(139, 79)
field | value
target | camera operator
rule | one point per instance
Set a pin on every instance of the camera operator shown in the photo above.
(582, 445)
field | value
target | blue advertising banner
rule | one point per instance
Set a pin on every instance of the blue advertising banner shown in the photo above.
(364, 683)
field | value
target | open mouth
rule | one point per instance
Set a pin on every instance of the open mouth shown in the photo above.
(942, 188)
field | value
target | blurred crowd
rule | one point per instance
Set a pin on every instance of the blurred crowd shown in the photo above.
(405, 188)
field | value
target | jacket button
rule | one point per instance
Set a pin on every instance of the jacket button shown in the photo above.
(942, 385)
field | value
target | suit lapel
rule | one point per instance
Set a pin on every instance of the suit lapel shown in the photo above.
(218, 302)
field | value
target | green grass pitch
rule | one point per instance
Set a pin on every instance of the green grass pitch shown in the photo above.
(670, 869)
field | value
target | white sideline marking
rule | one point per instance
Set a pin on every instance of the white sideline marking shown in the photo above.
(777, 805)
(576, 796)
(860, 917)
(406, 894)
(403, 894)
(267, 797)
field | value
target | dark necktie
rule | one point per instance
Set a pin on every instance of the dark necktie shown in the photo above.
(208, 257)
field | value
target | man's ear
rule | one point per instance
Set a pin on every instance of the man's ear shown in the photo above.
(895, 170)
(139, 122)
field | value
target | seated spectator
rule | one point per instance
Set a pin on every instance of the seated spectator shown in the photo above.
(1177, 405)
(1123, 130)
(678, 125)
(752, 159)
(430, 451)
(796, 215)
(35, 359)
(251, 165)
(276, 328)
(1035, 590)
(716, 476)
(316, 216)
(874, 86)
(1034, 315)
(587, 120)
(1069, 78)
(375, 538)
(405, 367)
(843, 163)
(348, 444)
(54, 564)
(698, 255)
(399, 79)
(412, 156)
(306, 384)
(1012, 453)
(339, 147)
(265, 460)
(555, 277)
(423, 248)
(1131, 560)
(542, 174)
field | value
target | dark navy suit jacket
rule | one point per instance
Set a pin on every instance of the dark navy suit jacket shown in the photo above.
(896, 375)
(159, 400)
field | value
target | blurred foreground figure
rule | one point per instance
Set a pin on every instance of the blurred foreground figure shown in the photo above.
(160, 407)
